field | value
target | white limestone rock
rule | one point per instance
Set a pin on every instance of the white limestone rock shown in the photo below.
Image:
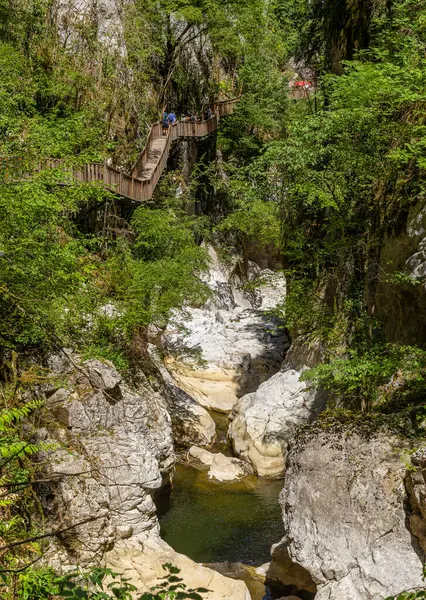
(191, 423)
(263, 422)
(238, 347)
(142, 564)
(109, 22)
(226, 468)
(116, 450)
(200, 456)
(345, 510)
(221, 468)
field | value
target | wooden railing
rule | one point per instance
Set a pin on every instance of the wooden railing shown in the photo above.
(137, 186)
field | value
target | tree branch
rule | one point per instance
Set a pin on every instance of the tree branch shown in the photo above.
(42, 536)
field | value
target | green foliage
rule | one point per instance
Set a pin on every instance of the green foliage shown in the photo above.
(340, 182)
(342, 179)
(35, 584)
(173, 588)
(100, 584)
(375, 378)
(409, 595)
(107, 350)
(253, 221)
(46, 262)
(59, 98)
(19, 508)
(44, 258)
(402, 279)
(160, 270)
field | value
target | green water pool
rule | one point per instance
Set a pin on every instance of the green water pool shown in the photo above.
(212, 522)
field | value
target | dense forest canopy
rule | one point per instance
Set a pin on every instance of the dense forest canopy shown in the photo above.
(322, 184)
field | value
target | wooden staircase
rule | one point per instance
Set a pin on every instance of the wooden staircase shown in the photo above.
(146, 172)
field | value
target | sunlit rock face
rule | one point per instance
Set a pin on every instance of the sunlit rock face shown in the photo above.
(263, 422)
(229, 346)
(346, 514)
(143, 566)
(114, 450)
(220, 467)
(107, 16)
(109, 449)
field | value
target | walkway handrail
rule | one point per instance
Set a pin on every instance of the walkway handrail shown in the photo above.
(155, 130)
(139, 188)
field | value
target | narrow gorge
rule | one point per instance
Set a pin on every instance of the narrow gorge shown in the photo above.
(212, 300)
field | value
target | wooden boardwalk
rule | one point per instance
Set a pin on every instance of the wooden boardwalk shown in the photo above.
(139, 186)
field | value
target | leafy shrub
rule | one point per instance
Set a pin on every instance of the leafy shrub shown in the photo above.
(384, 375)
(99, 584)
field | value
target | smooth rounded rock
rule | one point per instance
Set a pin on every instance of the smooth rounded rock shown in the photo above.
(201, 456)
(225, 468)
(263, 422)
(143, 566)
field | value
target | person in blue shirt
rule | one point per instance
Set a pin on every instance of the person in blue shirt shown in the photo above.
(172, 118)
(165, 123)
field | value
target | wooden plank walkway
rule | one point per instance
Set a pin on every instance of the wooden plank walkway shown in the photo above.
(146, 172)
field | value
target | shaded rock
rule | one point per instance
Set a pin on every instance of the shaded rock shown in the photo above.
(283, 570)
(191, 423)
(415, 484)
(402, 308)
(263, 422)
(105, 377)
(344, 509)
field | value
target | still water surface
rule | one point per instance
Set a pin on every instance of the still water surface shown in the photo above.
(217, 522)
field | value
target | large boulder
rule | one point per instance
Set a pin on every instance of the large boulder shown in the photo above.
(114, 450)
(229, 346)
(226, 468)
(345, 510)
(262, 422)
(221, 468)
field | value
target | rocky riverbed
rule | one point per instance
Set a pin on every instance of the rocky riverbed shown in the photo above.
(224, 399)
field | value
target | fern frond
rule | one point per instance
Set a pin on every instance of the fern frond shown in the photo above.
(15, 414)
